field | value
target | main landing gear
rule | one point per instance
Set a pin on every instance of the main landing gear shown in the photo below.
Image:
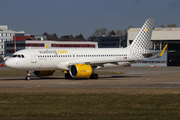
(28, 77)
(94, 76)
(68, 76)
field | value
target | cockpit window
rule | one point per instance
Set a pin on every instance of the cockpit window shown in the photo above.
(17, 56)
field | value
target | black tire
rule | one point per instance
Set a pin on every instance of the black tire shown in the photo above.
(94, 76)
(91, 77)
(68, 76)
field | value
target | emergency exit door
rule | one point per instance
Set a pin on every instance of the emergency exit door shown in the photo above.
(33, 57)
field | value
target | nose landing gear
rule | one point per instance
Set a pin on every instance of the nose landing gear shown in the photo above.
(28, 77)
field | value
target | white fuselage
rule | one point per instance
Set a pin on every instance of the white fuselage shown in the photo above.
(59, 59)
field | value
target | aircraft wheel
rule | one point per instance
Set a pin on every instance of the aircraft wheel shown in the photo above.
(91, 77)
(68, 76)
(28, 78)
(94, 76)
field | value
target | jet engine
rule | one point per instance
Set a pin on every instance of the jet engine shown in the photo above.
(80, 71)
(44, 73)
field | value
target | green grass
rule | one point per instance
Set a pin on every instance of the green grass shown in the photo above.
(19, 72)
(81, 103)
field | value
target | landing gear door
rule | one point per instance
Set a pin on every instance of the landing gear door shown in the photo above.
(33, 57)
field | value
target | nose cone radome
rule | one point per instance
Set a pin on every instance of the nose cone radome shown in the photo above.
(9, 63)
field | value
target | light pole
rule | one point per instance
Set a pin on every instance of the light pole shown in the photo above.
(15, 44)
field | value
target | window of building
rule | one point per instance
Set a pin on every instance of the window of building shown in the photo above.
(9, 51)
(9, 45)
(34, 45)
(20, 45)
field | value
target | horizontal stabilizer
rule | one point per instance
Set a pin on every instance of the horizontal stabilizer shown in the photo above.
(150, 54)
(162, 52)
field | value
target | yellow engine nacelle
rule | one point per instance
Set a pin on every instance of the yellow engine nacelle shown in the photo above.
(43, 73)
(80, 71)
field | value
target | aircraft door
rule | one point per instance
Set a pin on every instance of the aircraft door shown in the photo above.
(75, 57)
(33, 57)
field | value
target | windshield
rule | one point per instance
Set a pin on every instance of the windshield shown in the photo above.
(17, 56)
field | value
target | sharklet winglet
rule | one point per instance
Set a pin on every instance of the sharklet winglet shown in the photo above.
(46, 46)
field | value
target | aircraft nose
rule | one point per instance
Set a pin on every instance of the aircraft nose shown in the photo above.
(8, 63)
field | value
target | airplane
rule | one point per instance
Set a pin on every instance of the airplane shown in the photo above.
(82, 62)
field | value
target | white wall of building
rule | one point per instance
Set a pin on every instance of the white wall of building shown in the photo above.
(6, 35)
(158, 34)
(58, 42)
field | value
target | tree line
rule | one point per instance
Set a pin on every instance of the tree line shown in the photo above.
(97, 33)
(169, 25)
(64, 37)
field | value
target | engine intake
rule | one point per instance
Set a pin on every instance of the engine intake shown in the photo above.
(44, 73)
(80, 71)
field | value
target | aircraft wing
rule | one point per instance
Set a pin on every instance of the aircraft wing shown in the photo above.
(97, 63)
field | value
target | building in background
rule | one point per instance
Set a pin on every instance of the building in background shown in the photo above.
(110, 41)
(7, 35)
(37, 44)
(161, 37)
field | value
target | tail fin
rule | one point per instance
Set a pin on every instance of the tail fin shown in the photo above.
(143, 38)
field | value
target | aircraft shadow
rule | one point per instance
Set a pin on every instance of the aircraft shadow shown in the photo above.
(120, 77)
(62, 78)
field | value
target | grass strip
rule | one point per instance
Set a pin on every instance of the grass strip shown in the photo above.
(81, 103)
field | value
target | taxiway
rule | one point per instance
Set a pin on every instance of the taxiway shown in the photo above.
(132, 77)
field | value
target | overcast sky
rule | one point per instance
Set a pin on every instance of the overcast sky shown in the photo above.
(66, 17)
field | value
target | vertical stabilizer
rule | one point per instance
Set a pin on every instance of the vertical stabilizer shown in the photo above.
(143, 38)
